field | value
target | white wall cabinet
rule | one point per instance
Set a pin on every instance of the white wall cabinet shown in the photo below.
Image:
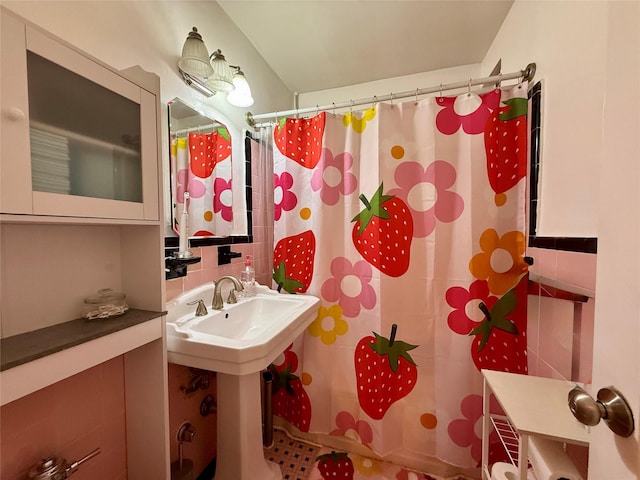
(533, 406)
(81, 209)
(78, 137)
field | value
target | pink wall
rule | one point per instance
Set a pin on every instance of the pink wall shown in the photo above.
(560, 332)
(69, 419)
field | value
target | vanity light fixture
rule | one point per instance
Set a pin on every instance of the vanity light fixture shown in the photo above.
(222, 78)
(240, 96)
(209, 74)
(194, 60)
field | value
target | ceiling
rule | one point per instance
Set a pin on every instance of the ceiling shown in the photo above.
(319, 44)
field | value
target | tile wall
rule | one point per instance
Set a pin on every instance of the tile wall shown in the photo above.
(561, 332)
(69, 419)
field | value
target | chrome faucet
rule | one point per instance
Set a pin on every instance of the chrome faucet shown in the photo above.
(217, 303)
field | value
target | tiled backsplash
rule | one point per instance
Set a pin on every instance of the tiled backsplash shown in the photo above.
(560, 332)
(69, 419)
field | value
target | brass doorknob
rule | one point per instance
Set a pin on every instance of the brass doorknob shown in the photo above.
(610, 406)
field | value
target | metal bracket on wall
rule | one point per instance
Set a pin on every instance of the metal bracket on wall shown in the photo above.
(225, 255)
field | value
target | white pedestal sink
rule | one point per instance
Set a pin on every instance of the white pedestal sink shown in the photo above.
(237, 342)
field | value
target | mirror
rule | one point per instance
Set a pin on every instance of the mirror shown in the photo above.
(201, 173)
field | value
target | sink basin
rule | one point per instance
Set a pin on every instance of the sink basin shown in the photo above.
(242, 338)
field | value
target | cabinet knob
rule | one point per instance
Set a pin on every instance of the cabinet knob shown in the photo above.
(610, 406)
(14, 113)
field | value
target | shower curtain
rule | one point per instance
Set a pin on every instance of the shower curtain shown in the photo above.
(407, 221)
(201, 166)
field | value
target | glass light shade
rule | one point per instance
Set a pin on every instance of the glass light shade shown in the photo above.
(195, 57)
(221, 78)
(240, 96)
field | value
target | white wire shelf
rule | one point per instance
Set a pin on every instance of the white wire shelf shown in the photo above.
(508, 437)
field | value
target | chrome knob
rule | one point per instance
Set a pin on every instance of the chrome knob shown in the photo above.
(585, 408)
(610, 406)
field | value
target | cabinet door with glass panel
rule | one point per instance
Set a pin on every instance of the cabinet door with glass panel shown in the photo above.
(78, 139)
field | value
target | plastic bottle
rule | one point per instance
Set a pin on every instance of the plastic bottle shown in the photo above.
(248, 278)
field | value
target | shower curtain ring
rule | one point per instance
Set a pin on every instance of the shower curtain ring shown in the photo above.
(469, 89)
(416, 96)
(317, 109)
(499, 84)
(391, 100)
(334, 109)
(375, 101)
(351, 107)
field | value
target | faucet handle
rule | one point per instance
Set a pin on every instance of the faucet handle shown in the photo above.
(201, 309)
(232, 296)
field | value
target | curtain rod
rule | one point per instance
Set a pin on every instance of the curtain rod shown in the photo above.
(527, 74)
(198, 128)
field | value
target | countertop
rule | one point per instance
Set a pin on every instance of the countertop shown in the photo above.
(26, 347)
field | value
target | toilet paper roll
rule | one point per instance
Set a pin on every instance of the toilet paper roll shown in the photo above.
(508, 471)
(550, 461)
(504, 471)
(184, 473)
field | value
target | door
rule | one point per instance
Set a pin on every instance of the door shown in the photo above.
(617, 324)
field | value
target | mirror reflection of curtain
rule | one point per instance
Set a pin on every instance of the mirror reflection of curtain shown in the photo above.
(202, 166)
(407, 220)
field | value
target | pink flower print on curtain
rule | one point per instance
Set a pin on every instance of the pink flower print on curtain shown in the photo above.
(195, 187)
(469, 111)
(350, 286)
(431, 187)
(283, 198)
(347, 426)
(464, 433)
(468, 313)
(222, 198)
(332, 176)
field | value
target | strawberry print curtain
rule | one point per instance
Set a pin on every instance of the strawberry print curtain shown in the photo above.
(407, 221)
(201, 166)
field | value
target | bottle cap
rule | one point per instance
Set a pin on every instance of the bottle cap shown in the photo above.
(248, 260)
